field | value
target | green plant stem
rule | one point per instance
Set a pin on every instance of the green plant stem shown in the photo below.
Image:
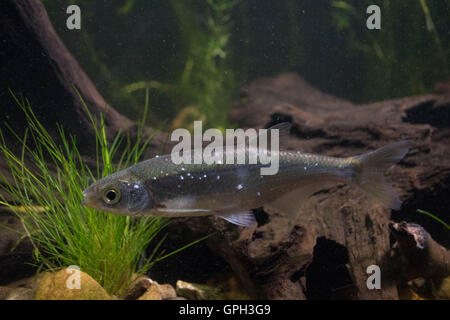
(48, 177)
(434, 217)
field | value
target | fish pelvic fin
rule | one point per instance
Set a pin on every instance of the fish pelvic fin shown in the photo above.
(243, 219)
(369, 170)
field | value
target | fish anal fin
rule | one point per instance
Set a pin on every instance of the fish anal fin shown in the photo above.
(243, 219)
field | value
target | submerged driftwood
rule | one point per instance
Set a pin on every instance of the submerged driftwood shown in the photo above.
(325, 251)
(418, 254)
(36, 64)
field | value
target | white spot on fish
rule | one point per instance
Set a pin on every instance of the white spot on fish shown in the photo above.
(316, 164)
(304, 168)
(204, 176)
(157, 156)
(136, 186)
(167, 174)
(181, 177)
(182, 169)
(239, 186)
(188, 174)
(258, 193)
(154, 178)
(218, 177)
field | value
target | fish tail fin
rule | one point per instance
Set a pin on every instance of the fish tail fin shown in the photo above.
(369, 172)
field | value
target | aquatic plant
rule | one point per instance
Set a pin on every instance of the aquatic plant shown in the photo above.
(48, 176)
(395, 53)
(206, 82)
(434, 217)
(207, 79)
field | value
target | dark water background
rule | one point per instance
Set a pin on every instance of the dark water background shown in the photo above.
(227, 44)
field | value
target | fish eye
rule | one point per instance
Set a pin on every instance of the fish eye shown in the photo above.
(111, 196)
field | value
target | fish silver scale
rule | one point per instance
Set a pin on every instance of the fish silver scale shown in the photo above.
(248, 188)
(158, 187)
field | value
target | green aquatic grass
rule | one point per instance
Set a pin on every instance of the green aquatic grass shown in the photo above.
(390, 67)
(48, 176)
(434, 217)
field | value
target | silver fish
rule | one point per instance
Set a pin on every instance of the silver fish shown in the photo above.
(159, 188)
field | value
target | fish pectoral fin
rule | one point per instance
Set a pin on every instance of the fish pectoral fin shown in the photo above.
(243, 219)
(291, 202)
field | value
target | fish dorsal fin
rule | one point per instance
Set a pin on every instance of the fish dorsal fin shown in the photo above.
(291, 202)
(243, 219)
(284, 128)
(283, 134)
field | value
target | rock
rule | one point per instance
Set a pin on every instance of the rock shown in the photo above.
(29, 282)
(145, 288)
(53, 286)
(152, 293)
(418, 254)
(22, 289)
(167, 292)
(20, 294)
(444, 290)
(177, 298)
(138, 288)
(408, 293)
(195, 291)
(4, 291)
